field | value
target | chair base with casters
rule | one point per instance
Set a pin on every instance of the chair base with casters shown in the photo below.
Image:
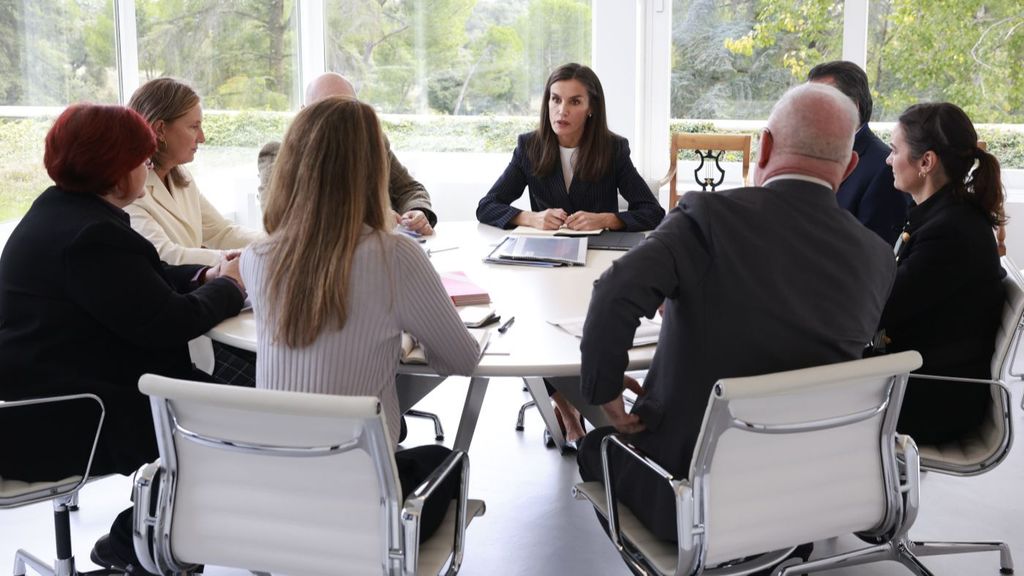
(521, 419)
(438, 430)
(63, 493)
(222, 448)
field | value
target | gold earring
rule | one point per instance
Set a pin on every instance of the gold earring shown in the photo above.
(922, 174)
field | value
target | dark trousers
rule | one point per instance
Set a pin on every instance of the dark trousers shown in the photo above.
(234, 366)
(414, 465)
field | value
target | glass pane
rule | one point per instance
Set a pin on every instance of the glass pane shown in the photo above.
(968, 53)
(241, 57)
(455, 57)
(455, 80)
(238, 55)
(52, 53)
(732, 59)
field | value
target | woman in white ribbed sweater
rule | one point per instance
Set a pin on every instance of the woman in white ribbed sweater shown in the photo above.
(333, 288)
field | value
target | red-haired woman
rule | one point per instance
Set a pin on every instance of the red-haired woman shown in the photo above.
(86, 305)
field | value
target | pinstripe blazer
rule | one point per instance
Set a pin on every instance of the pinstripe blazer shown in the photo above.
(643, 212)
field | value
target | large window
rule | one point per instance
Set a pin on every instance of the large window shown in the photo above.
(967, 52)
(455, 80)
(733, 59)
(52, 53)
(240, 56)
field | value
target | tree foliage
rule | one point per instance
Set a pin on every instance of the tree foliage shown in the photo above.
(734, 58)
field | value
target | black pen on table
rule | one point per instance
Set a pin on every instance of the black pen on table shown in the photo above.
(508, 324)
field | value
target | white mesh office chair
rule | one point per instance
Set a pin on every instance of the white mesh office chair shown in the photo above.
(62, 491)
(284, 482)
(986, 447)
(783, 459)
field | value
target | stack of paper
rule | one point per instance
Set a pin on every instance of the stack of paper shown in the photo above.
(646, 333)
(531, 231)
(412, 352)
(463, 291)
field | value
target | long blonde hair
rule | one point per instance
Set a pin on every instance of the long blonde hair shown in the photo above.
(329, 180)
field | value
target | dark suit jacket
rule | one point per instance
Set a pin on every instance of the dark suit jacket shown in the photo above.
(754, 281)
(86, 305)
(869, 193)
(946, 304)
(643, 212)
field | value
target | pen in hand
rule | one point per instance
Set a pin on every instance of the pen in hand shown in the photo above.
(508, 324)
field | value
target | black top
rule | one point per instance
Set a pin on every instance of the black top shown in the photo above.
(946, 304)
(643, 212)
(869, 192)
(86, 305)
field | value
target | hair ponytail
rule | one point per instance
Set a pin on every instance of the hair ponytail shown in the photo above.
(985, 186)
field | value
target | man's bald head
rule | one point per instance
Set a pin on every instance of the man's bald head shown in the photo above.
(329, 84)
(810, 131)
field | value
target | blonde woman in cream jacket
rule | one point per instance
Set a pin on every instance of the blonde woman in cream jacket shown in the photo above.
(183, 226)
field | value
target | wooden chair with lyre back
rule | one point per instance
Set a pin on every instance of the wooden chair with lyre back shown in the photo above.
(710, 150)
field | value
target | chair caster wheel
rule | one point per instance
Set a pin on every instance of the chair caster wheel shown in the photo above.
(439, 437)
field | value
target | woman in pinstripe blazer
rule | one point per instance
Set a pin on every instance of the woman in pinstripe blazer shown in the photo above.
(573, 165)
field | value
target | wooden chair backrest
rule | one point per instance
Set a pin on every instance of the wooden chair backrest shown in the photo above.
(687, 141)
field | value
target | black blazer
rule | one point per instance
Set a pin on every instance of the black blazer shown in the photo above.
(643, 212)
(86, 305)
(947, 304)
(869, 192)
(754, 280)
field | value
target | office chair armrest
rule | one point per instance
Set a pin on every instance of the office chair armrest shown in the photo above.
(910, 481)
(957, 379)
(145, 491)
(681, 488)
(413, 508)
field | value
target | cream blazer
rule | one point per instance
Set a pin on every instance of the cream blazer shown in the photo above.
(183, 226)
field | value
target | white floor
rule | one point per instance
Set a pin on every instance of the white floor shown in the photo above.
(534, 527)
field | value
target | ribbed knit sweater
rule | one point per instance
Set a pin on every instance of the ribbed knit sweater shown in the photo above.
(393, 289)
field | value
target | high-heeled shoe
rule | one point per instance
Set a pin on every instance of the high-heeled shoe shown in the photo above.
(570, 445)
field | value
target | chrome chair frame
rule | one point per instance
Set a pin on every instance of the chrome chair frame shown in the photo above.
(63, 493)
(692, 495)
(400, 541)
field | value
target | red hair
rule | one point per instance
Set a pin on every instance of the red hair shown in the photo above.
(91, 147)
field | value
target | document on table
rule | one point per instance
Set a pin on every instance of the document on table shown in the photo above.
(563, 231)
(646, 333)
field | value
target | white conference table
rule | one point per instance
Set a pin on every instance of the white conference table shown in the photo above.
(531, 348)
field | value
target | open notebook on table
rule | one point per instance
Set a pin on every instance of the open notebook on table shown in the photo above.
(412, 352)
(646, 333)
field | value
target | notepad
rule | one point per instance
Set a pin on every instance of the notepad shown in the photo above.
(412, 352)
(477, 316)
(646, 333)
(563, 231)
(540, 251)
(462, 290)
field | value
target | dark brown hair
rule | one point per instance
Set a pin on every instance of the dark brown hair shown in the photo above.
(596, 149)
(946, 130)
(849, 79)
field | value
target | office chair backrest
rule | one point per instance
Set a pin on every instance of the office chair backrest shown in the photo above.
(68, 449)
(799, 456)
(987, 446)
(1010, 324)
(279, 482)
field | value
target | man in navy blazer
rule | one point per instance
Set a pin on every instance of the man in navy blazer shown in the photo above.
(868, 193)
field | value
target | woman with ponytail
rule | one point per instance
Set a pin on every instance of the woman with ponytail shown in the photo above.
(948, 295)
